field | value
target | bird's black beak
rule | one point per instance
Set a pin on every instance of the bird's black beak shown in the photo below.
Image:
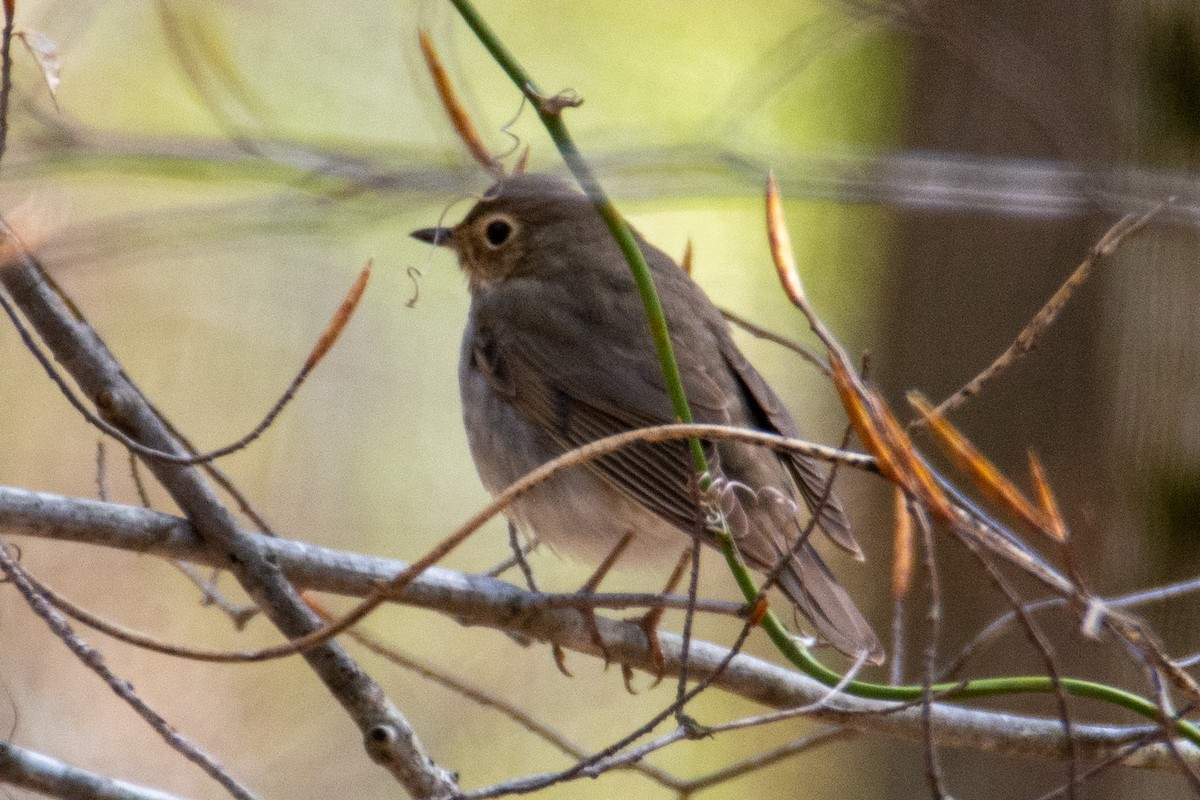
(438, 236)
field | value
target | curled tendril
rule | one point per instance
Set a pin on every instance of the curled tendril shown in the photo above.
(506, 129)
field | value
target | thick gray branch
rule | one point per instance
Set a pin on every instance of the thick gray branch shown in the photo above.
(477, 600)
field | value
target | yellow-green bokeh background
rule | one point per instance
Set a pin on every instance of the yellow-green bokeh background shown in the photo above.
(213, 311)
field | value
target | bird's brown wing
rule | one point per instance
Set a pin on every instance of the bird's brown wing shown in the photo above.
(659, 476)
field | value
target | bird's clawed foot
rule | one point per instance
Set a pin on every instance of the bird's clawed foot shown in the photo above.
(589, 614)
(648, 622)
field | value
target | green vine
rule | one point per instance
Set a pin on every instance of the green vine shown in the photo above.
(549, 111)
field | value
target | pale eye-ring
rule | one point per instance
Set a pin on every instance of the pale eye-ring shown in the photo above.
(498, 231)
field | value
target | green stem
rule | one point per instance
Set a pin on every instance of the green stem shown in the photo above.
(801, 658)
(616, 224)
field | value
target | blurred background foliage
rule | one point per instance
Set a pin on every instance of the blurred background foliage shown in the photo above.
(215, 175)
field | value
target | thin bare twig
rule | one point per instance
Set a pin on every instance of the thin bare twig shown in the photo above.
(933, 768)
(93, 660)
(770, 336)
(519, 552)
(990, 632)
(485, 699)
(1168, 716)
(765, 759)
(1032, 333)
(1038, 640)
(17, 250)
(101, 473)
(239, 615)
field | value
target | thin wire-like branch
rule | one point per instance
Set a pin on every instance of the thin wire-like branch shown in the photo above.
(762, 333)
(1032, 333)
(93, 660)
(613, 755)
(6, 73)
(767, 758)
(1115, 760)
(1168, 717)
(487, 700)
(239, 615)
(101, 472)
(1039, 642)
(994, 629)
(933, 767)
(324, 343)
(518, 559)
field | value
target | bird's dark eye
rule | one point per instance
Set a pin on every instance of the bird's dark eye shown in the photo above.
(497, 232)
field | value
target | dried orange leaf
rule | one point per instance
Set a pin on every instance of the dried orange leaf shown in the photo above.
(902, 556)
(919, 479)
(459, 118)
(45, 53)
(1056, 527)
(686, 261)
(781, 245)
(984, 473)
(339, 320)
(862, 421)
(522, 163)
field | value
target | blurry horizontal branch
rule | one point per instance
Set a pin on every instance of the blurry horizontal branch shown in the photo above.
(482, 601)
(1020, 187)
(40, 773)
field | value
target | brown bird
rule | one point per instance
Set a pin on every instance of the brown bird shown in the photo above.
(557, 353)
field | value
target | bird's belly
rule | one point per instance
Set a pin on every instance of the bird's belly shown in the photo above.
(575, 512)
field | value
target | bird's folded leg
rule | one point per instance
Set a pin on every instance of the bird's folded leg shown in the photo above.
(648, 622)
(589, 613)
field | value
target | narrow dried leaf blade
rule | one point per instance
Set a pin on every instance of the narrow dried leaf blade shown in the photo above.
(686, 261)
(459, 118)
(340, 317)
(976, 466)
(902, 543)
(781, 245)
(919, 479)
(862, 422)
(1056, 527)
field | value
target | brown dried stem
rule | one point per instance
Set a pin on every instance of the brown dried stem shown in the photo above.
(1032, 333)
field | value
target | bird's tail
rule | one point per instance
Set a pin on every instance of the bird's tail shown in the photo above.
(811, 586)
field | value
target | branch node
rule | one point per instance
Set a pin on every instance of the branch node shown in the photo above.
(553, 105)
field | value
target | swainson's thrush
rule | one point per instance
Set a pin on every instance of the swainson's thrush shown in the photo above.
(557, 353)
